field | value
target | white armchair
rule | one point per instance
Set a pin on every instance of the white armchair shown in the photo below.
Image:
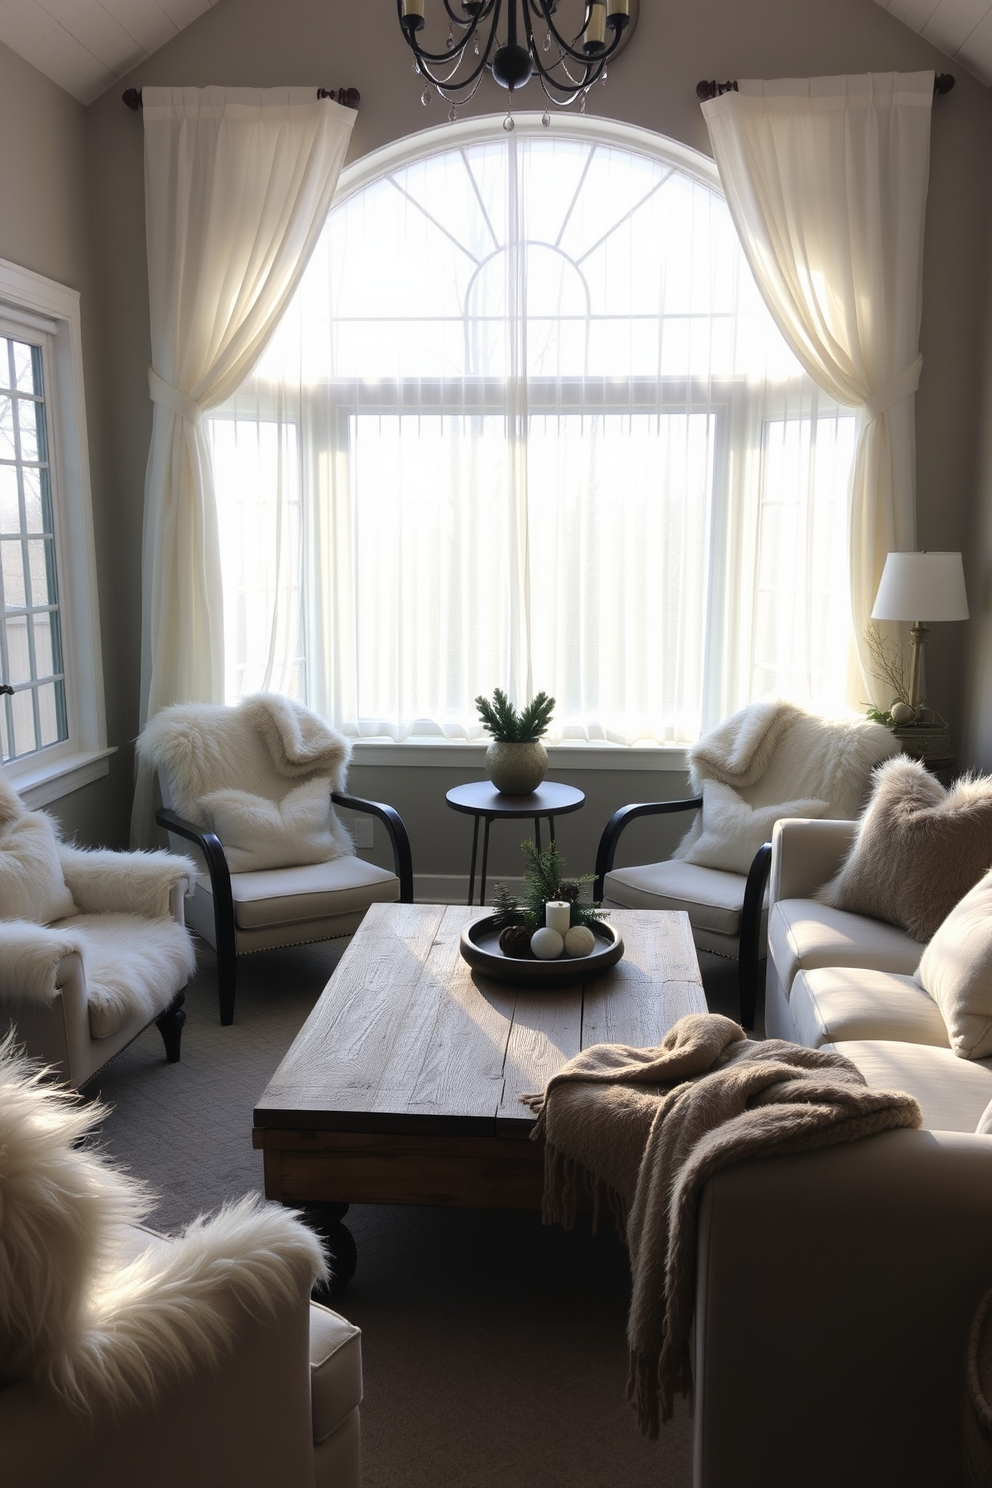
(127, 1358)
(93, 945)
(254, 787)
(768, 761)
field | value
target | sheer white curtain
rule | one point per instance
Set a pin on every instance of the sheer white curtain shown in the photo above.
(238, 184)
(826, 180)
(527, 423)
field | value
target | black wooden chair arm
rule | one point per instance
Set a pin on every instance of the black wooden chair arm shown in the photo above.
(748, 957)
(220, 884)
(620, 820)
(402, 857)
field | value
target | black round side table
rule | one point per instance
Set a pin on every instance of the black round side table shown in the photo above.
(482, 800)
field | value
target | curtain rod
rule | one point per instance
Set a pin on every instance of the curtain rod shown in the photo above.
(943, 83)
(350, 97)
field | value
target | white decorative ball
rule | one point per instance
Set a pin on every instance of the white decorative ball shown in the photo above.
(579, 941)
(547, 944)
(901, 713)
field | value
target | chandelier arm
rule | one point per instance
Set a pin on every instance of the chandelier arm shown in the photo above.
(473, 24)
(453, 54)
(566, 98)
(577, 56)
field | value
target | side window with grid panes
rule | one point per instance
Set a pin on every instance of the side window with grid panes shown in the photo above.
(33, 714)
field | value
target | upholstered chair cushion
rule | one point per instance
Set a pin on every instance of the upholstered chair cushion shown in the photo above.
(919, 848)
(956, 970)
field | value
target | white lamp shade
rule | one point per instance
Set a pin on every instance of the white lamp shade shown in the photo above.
(921, 586)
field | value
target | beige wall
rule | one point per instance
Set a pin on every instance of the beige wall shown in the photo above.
(325, 43)
(45, 226)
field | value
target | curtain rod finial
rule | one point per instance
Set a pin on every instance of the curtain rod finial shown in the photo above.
(132, 97)
(943, 83)
(711, 89)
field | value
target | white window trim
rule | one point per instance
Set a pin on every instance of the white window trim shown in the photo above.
(56, 771)
(458, 754)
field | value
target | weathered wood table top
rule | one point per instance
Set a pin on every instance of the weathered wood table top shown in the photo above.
(406, 1039)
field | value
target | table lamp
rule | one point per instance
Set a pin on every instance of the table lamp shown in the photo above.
(920, 587)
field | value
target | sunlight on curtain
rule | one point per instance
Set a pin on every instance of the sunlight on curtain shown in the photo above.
(528, 424)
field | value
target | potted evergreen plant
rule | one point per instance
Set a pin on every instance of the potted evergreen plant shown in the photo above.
(516, 760)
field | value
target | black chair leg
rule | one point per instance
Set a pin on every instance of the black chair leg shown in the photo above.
(170, 1026)
(227, 962)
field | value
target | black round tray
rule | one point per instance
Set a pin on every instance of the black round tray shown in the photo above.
(480, 948)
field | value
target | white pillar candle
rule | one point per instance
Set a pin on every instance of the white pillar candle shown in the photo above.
(558, 915)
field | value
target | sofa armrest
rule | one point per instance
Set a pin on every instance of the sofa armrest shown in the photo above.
(806, 854)
(835, 1293)
(142, 883)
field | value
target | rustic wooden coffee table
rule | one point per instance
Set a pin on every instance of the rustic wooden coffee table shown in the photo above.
(404, 1085)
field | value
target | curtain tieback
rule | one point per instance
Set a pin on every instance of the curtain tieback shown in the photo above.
(170, 397)
(903, 385)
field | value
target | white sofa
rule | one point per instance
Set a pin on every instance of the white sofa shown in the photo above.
(836, 1289)
(841, 980)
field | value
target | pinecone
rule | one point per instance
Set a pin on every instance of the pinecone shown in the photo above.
(515, 941)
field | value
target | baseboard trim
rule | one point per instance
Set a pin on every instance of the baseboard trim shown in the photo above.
(452, 888)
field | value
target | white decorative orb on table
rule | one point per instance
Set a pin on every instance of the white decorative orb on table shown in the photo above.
(547, 944)
(579, 941)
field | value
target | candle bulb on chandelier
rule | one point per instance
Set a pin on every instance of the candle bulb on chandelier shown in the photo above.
(595, 32)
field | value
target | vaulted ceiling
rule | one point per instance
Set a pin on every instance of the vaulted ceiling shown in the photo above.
(86, 45)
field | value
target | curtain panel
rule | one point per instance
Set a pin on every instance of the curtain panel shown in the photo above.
(826, 180)
(238, 184)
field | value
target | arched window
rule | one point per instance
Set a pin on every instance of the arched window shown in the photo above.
(528, 424)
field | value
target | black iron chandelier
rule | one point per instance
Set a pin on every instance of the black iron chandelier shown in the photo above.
(532, 43)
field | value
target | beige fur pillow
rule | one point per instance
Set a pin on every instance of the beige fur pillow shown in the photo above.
(956, 969)
(919, 848)
(257, 833)
(31, 883)
(733, 831)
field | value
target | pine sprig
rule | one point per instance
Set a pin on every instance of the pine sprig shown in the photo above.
(501, 719)
(544, 879)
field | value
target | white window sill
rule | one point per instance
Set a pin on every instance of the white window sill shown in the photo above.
(38, 784)
(442, 754)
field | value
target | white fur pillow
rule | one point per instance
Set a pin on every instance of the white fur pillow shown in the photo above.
(732, 831)
(258, 833)
(31, 883)
(919, 848)
(956, 969)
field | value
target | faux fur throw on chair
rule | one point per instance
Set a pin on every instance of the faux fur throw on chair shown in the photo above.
(773, 759)
(643, 1129)
(79, 1312)
(263, 747)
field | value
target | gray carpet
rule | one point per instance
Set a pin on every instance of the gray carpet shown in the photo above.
(494, 1347)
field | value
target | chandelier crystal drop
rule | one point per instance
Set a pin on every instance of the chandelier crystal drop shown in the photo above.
(564, 43)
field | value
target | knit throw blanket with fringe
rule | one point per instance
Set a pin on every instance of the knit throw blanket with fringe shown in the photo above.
(641, 1130)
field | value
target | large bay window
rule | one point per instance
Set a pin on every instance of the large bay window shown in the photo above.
(527, 424)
